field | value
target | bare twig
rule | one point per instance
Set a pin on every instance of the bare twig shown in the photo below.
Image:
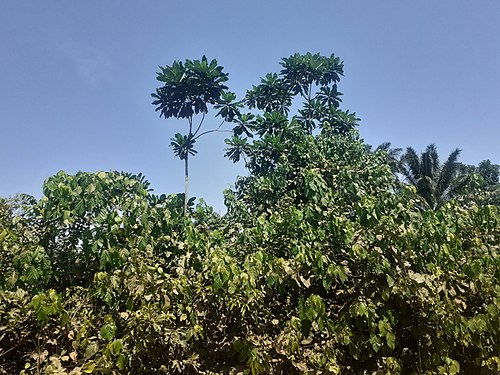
(210, 131)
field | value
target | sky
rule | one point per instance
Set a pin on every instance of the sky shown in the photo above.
(76, 79)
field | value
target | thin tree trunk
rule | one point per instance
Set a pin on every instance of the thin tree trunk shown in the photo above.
(186, 174)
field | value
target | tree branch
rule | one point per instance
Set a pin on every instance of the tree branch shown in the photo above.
(199, 126)
(210, 131)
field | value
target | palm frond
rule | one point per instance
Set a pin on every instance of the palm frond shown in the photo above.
(411, 165)
(385, 146)
(430, 162)
(448, 171)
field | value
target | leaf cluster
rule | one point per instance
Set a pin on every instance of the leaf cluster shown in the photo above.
(189, 87)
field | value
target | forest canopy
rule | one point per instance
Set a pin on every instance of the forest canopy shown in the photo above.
(333, 257)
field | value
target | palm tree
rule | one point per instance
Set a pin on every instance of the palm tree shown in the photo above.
(393, 158)
(436, 183)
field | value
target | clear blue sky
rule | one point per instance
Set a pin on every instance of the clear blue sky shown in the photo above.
(76, 78)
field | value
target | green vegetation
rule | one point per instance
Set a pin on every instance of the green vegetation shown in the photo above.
(325, 263)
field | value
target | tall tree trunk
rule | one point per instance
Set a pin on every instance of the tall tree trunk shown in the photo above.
(186, 174)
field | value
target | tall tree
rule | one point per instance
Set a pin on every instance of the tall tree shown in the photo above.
(188, 90)
(312, 78)
(436, 183)
(276, 143)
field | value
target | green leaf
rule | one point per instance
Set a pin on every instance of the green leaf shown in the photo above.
(391, 340)
(390, 281)
(89, 367)
(122, 362)
(218, 282)
(108, 331)
(116, 347)
(90, 350)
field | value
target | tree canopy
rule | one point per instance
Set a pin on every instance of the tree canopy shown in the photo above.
(325, 263)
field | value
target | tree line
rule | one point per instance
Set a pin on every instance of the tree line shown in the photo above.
(333, 257)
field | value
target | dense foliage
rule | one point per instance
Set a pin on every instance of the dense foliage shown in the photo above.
(326, 263)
